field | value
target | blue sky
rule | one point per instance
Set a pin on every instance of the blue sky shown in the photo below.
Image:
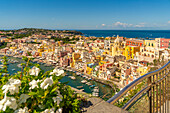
(85, 14)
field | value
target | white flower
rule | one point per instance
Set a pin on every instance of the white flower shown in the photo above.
(23, 98)
(34, 71)
(47, 82)
(12, 86)
(15, 82)
(8, 102)
(57, 72)
(41, 106)
(49, 111)
(59, 110)
(20, 110)
(57, 99)
(2, 102)
(33, 84)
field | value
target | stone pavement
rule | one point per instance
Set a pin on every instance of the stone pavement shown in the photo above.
(97, 105)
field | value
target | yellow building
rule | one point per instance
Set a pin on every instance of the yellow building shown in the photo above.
(95, 49)
(103, 62)
(130, 52)
(143, 70)
(41, 49)
(106, 52)
(150, 43)
(118, 47)
(13, 47)
(75, 57)
(98, 57)
(89, 70)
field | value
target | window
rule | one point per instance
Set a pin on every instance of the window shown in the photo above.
(162, 45)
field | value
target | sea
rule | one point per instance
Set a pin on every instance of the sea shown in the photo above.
(144, 34)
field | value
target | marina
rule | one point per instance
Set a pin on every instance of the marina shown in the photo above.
(71, 77)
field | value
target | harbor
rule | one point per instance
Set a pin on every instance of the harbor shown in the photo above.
(75, 79)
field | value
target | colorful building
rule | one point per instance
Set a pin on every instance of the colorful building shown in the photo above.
(134, 42)
(130, 52)
(162, 43)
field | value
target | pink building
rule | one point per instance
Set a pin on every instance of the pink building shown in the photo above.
(163, 42)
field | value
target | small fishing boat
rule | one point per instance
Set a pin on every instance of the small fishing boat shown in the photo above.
(88, 83)
(19, 65)
(83, 81)
(92, 86)
(78, 73)
(73, 78)
(79, 87)
(13, 69)
(95, 92)
(89, 78)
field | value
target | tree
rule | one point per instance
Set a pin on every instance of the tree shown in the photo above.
(155, 62)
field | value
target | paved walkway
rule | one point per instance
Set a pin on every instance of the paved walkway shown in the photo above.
(97, 105)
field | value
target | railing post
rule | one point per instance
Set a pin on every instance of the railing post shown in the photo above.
(149, 95)
(168, 88)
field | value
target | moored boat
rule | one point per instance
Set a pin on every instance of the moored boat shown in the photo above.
(72, 77)
(79, 87)
(83, 81)
(92, 86)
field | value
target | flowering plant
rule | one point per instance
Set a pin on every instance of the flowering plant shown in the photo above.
(33, 91)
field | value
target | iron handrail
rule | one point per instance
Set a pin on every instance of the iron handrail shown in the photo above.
(133, 84)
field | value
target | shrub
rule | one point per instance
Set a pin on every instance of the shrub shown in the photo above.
(33, 91)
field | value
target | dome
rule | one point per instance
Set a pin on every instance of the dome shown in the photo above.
(118, 40)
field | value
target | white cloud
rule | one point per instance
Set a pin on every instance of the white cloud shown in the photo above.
(103, 24)
(168, 22)
(139, 25)
(120, 24)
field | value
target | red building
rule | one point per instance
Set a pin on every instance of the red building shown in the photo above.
(162, 42)
(134, 42)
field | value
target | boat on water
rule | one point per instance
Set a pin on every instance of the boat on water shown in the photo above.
(72, 77)
(19, 65)
(95, 92)
(83, 81)
(78, 73)
(88, 83)
(92, 86)
(13, 69)
(89, 78)
(79, 87)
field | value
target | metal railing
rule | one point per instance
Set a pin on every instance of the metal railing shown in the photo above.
(156, 86)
